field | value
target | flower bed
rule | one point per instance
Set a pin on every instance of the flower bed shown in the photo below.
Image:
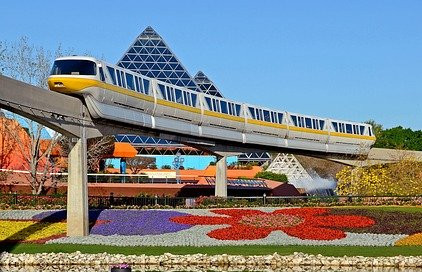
(263, 226)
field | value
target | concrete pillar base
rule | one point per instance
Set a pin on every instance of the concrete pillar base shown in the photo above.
(77, 190)
(221, 177)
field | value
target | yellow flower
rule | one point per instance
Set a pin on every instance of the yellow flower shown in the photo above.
(29, 230)
(411, 240)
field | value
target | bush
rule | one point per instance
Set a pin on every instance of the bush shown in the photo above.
(166, 166)
(3, 176)
(403, 179)
(271, 176)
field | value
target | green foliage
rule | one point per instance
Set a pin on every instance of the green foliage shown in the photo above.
(400, 138)
(397, 137)
(166, 166)
(271, 176)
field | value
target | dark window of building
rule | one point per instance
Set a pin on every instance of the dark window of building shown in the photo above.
(208, 100)
(308, 122)
(162, 90)
(112, 74)
(146, 86)
(74, 67)
(179, 96)
(280, 118)
(129, 81)
(252, 111)
(193, 96)
(223, 105)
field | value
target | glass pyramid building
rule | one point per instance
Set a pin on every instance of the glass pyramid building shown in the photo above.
(149, 55)
(206, 85)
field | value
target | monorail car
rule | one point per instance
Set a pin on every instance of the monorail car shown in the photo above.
(115, 93)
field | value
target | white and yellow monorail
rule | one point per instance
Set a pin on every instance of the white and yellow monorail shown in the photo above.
(115, 93)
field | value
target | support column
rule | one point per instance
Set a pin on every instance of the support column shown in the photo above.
(221, 177)
(77, 189)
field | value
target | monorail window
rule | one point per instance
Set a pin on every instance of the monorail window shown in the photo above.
(193, 96)
(259, 114)
(185, 97)
(119, 79)
(237, 106)
(129, 81)
(362, 129)
(179, 96)
(315, 123)
(280, 117)
(216, 105)
(170, 94)
(208, 100)
(112, 74)
(294, 119)
(74, 67)
(321, 124)
(146, 86)
(341, 126)
(308, 122)
(223, 105)
(102, 77)
(252, 111)
(301, 121)
(231, 108)
(370, 131)
(137, 84)
(122, 75)
(267, 116)
(335, 126)
(349, 129)
(163, 91)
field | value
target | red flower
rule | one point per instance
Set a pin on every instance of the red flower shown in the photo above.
(303, 223)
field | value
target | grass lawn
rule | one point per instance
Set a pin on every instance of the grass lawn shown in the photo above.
(232, 250)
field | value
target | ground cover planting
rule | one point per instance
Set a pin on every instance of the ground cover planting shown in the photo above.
(341, 226)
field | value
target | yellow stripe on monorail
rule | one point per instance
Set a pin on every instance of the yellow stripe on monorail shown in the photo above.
(78, 84)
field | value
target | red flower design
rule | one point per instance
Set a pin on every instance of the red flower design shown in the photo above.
(303, 223)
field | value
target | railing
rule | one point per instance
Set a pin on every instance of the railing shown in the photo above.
(16, 200)
(120, 178)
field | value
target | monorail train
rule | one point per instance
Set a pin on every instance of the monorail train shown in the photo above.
(115, 93)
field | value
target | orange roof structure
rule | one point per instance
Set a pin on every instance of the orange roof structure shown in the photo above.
(124, 150)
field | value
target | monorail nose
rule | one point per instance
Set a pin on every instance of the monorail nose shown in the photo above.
(58, 84)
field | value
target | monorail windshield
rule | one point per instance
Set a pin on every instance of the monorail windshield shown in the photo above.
(74, 67)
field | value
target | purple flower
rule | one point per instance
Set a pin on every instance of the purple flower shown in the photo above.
(125, 222)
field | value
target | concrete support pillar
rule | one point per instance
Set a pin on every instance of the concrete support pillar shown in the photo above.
(77, 190)
(221, 177)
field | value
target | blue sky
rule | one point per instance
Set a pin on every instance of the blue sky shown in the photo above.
(353, 60)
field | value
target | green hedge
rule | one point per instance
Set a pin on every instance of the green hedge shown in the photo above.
(271, 176)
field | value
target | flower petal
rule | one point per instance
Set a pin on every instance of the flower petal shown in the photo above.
(306, 232)
(239, 232)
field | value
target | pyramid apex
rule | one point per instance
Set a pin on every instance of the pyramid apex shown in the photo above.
(149, 31)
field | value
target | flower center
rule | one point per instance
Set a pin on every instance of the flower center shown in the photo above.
(271, 220)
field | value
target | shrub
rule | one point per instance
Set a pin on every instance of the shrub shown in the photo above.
(403, 178)
(166, 166)
(271, 176)
(3, 176)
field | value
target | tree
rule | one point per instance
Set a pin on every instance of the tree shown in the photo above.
(137, 164)
(30, 64)
(96, 150)
(377, 128)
